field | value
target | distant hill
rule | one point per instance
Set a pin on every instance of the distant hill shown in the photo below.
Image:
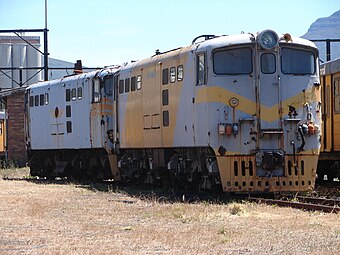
(326, 28)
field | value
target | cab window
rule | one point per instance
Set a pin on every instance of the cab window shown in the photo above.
(233, 61)
(108, 85)
(297, 61)
(95, 91)
(201, 69)
(268, 63)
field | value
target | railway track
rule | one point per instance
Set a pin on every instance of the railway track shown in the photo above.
(328, 205)
(305, 203)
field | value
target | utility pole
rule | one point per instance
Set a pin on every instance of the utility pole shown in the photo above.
(45, 46)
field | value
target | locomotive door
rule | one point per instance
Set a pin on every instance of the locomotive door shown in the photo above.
(269, 103)
(270, 158)
(57, 118)
(101, 114)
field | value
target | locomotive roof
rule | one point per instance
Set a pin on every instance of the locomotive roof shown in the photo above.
(330, 67)
(216, 42)
(99, 73)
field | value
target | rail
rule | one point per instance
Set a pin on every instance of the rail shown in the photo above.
(306, 203)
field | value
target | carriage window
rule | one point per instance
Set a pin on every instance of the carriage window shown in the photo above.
(31, 101)
(121, 86)
(46, 98)
(337, 96)
(233, 62)
(127, 84)
(36, 100)
(133, 83)
(139, 82)
(201, 69)
(80, 92)
(296, 61)
(68, 95)
(165, 76)
(95, 91)
(74, 94)
(268, 63)
(42, 100)
(172, 74)
(108, 85)
(180, 73)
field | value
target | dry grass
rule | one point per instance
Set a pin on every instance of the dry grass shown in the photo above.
(64, 218)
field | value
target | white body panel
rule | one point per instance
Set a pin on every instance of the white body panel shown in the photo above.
(68, 122)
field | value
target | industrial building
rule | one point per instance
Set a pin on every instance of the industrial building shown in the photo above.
(20, 66)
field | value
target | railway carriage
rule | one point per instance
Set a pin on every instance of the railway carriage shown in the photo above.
(241, 113)
(329, 161)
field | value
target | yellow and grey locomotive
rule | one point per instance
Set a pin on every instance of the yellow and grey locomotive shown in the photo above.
(239, 112)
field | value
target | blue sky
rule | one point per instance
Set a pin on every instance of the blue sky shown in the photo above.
(106, 32)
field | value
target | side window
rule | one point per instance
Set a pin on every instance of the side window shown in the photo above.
(180, 73)
(201, 69)
(31, 101)
(68, 111)
(121, 86)
(172, 74)
(36, 100)
(127, 84)
(74, 94)
(80, 93)
(133, 83)
(46, 99)
(68, 95)
(68, 126)
(165, 118)
(165, 76)
(165, 97)
(139, 82)
(96, 91)
(42, 100)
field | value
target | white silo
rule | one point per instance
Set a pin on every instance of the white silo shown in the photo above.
(17, 57)
(5, 62)
(19, 60)
(33, 60)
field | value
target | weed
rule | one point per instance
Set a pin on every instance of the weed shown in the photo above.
(236, 209)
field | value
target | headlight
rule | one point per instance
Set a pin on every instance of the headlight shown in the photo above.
(268, 39)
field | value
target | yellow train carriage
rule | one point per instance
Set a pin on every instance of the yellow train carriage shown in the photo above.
(330, 150)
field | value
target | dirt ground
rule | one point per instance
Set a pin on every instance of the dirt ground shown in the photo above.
(37, 217)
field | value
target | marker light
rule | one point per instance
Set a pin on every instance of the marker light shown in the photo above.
(268, 39)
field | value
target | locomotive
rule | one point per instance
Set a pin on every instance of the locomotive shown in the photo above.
(241, 113)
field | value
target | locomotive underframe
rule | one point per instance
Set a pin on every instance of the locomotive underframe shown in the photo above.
(80, 164)
(193, 168)
(201, 169)
(238, 174)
